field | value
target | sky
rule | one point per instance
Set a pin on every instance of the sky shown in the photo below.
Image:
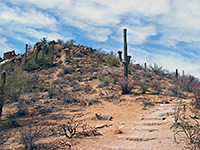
(165, 32)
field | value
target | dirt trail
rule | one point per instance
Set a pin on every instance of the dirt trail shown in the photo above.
(148, 131)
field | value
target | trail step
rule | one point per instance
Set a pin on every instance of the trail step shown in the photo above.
(163, 113)
(168, 105)
(144, 129)
(150, 123)
(120, 148)
(165, 108)
(138, 139)
(153, 118)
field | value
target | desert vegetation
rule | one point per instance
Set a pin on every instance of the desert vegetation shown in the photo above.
(53, 93)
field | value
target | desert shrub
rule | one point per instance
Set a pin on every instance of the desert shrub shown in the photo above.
(156, 69)
(111, 59)
(31, 65)
(30, 134)
(59, 41)
(41, 61)
(4, 136)
(98, 55)
(105, 79)
(185, 82)
(15, 82)
(156, 85)
(114, 75)
(70, 43)
(68, 70)
(73, 128)
(196, 91)
(144, 89)
(191, 131)
(126, 85)
(51, 90)
(7, 67)
(69, 99)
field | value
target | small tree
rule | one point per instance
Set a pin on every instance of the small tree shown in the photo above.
(12, 86)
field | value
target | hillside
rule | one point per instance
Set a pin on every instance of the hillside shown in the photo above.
(79, 89)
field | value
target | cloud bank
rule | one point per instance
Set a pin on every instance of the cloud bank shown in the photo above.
(166, 32)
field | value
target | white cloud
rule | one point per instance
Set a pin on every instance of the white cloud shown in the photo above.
(3, 45)
(30, 18)
(169, 60)
(174, 21)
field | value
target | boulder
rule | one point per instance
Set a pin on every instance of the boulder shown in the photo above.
(9, 55)
(38, 44)
(51, 43)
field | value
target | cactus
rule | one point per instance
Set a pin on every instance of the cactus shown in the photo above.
(3, 77)
(36, 54)
(43, 51)
(52, 55)
(126, 61)
(25, 56)
(177, 74)
(2, 91)
(145, 66)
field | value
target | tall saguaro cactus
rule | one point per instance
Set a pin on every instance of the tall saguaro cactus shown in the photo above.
(3, 77)
(36, 53)
(2, 91)
(52, 49)
(25, 56)
(126, 61)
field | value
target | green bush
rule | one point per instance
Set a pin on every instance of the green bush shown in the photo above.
(112, 60)
(98, 55)
(31, 65)
(106, 79)
(144, 89)
(15, 82)
(41, 61)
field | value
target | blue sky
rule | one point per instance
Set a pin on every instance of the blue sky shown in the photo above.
(165, 32)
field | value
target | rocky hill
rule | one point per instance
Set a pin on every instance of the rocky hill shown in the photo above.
(64, 96)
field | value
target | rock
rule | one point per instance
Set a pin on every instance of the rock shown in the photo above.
(98, 116)
(65, 54)
(9, 55)
(51, 43)
(95, 75)
(121, 100)
(38, 44)
(118, 131)
(100, 126)
(102, 117)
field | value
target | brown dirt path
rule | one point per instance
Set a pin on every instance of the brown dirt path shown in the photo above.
(147, 131)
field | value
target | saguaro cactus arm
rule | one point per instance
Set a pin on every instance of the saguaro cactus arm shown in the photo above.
(25, 56)
(120, 57)
(3, 76)
(128, 59)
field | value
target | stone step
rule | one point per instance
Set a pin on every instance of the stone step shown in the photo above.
(145, 129)
(165, 108)
(138, 139)
(153, 118)
(168, 105)
(163, 113)
(120, 148)
(150, 123)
